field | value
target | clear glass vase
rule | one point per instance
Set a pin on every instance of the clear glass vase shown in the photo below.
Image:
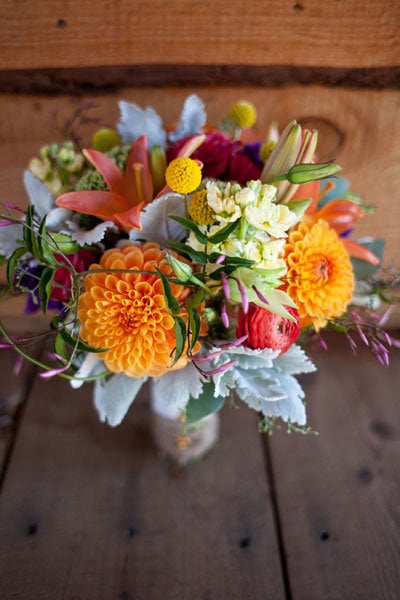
(181, 442)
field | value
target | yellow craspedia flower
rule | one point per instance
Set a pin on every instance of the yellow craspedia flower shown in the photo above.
(105, 139)
(183, 175)
(127, 313)
(243, 114)
(266, 149)
(320, 277)
(199, 210)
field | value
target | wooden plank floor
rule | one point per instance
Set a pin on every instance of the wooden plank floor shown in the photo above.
(92, 513)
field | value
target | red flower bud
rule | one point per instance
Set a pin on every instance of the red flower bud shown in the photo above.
(265, 329)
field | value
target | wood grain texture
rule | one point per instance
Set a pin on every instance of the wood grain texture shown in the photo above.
(339, 492)
(55, 33)
(13, 392)
(93, 512)
(359, 129)
(107, 79)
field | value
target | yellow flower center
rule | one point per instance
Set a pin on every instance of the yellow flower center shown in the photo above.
(266, 149)
(243, 114)
(199, 209)
(183, 175)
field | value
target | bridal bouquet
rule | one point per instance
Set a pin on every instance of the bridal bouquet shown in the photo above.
(189, 257)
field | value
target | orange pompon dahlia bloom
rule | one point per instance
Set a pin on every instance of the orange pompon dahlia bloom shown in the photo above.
(127, 313)
(320, 276)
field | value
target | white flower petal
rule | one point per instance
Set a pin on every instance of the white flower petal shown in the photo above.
(156, 224)
(136, 121)
(113, 398)
(57, 218)
(39, 194)
(295, 361)
(193, 118)
(172, 391)
(88, 236)
(90, 362)
(9, 237)
(273, 392)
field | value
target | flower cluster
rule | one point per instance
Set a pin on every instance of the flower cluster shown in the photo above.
(191, 258)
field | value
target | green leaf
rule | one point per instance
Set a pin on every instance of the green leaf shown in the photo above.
(29, 234)
(60, 346)
(239, 262)
(12, 265)
(45, 285)
(299, 207)
(223, 233)
(171, 301)
(196, 300)
(200, 236)
(63, 243)
(204, 405)
(199, 257)
(195, 326)
(44, 250)
(180, 337)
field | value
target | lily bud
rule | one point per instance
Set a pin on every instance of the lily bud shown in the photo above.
(158, 165)
(294, 146)
(285, 153)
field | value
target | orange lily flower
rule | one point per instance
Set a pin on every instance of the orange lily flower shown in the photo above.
(341, 214)
(128, 191)
(127, 194)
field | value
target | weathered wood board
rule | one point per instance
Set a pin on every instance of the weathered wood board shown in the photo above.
(263, 32)
(338, 493)
(92, 512)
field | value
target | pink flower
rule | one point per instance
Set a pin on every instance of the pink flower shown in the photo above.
(62, 278)
(222, 158)
(265, 329)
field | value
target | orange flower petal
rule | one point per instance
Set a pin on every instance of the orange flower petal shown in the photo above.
(139, 183)
(108, 169)
(93, 202)
(361, 252)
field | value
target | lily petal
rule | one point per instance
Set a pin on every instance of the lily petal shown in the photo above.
(361, 252)
(139, 184)
(113, 176)
(129, 219)
(94, 202)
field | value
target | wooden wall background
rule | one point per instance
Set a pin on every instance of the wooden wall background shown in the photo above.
(333, 65)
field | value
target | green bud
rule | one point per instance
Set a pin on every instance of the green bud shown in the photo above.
(182, 270)
(304, 173)
(158, 165)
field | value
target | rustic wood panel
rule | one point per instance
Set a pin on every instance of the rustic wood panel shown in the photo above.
(92, 512)
(359, 129)
(13, 391)
(55, 33)
(339, 492)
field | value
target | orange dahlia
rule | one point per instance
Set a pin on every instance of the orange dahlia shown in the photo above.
(320, 277)
(127, 313)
